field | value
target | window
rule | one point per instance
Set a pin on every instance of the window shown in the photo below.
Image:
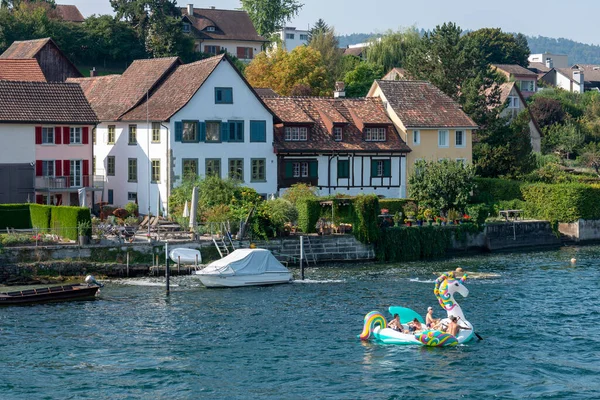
(223, 95)
(132, 196)
(111, 134)
(111, 197)
(381, 168)
(48, 168)
(338, 133)
(75, 172)
(416, 137)
(156, 132)
(236, 131)
(258, 131)
(236, 169)
(213, 166)
(185, 28)
(211, 50)
(375, 134)
(94, 165)
(210, 28)
(513, 102)
(75, 135)
(245, 53)
(443, 138)
(300, 169)
(156, 171)
(296, 133)
(47, 135)
(462, 160)
(110, 165)
(189, 168)
(132, 170)
(190, 131)
(132, 135)
(527, 86)
(303, 37)
(259, 166)
(343, 169)
(289, 36)
(459, 138)
(213, 131)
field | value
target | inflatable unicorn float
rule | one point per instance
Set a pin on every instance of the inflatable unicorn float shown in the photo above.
(446, 285)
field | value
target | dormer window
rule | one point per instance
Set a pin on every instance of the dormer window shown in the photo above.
(375, 134)
(210, 28)
(186, 28)
(296, 134)
(338, 133)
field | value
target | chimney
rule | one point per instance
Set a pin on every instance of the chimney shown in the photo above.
(549, 63)
(190, 10)
(579, 79)
(340, 90)
(93, 72)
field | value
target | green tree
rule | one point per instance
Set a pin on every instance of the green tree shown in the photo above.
(392, 49)
(563, 139)
(319, 28)
(300, 191)
(269, 16)
(442, 184)
(359, 80)
(325, 42)
(591, 156)
(498, 47)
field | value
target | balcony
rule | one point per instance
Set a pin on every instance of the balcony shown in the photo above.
(68, 183)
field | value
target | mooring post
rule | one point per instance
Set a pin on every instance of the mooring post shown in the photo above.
(128, 263)
(302, 257)
(167, 272)
(196, 266)
(178, 265)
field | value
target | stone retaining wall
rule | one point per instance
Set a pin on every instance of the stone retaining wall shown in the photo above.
(581, 231)
(520, 234)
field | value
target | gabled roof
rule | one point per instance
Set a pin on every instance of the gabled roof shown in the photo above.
(23, 49)
(591, 72)
(69, 13)
(420, 104)
(113, 96)
(266, 92)
(320, 137)
(41, 102)
(21, 70)
(514, 69)
(228, 24)
(397, 74)
(354, 51)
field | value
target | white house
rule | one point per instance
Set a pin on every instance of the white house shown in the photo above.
(515, 103)
(291, 37)
(551, 60)
(200, 118)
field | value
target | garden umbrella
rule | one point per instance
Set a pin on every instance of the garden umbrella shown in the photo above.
(193, 209)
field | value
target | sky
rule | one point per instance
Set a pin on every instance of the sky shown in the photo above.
(551, 18)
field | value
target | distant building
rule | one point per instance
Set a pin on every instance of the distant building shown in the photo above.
(397, 74)
(68, 12)
(292, 37)
(576, 79)
(215, 31)
(556, 60)
(526, 79)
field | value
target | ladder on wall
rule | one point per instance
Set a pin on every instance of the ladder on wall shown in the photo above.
(223, 241)
(309, 254)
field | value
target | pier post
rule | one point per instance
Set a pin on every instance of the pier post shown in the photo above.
(167, 272)
(302, 257)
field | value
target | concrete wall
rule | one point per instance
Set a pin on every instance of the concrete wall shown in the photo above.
(520, 234)
(581, 230)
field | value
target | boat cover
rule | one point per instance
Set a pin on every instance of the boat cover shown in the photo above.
(245, 262)
(186, 255)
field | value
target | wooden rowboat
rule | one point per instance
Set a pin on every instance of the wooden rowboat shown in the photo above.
(81, 291)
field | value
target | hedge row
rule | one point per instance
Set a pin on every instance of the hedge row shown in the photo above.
(562, 202)
(395, 205)
(15, 216)
(410, 244)
(40, 216)
(490, 190)
(65, 220)
(61, 220)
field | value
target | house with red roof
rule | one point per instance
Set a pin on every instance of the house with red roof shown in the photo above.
(525, 79)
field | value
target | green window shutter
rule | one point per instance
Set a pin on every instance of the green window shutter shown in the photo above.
(387, 168)
(313, 169)
(178, 131)
(228, 95)
(240, 130)
(373, 168)
(202, 130)
(218, 96)
(343, 168)
(225, 131)
(197, 132)
(258, 131)
(289, 169)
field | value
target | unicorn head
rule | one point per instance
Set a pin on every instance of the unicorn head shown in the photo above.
(445, 287)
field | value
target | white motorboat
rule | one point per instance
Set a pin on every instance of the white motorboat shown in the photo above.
(185, 255)
(244, 267)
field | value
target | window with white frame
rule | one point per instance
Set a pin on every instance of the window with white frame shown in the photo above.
(462, 160)
(416, 137)
(443, 138)
(289, 36)
(186, 27)
(296, 133)
(303, 36)
(459, 138)
(375, 134)
(338, 133)
(132, 196)
(527, 86)
(75, 135)
(47, 135)
(512, 102)
(48, 167)
(210, 28)
(300, 169)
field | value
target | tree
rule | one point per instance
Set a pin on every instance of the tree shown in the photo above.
(325, 42)
(442, 184)
(591, 156)
(563, 139)
(300, 191)
(547, 111)
(498, 47)
(392, 49)
(269, 16)
(319, 27)
(359, 81)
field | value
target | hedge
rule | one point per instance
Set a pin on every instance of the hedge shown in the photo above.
(366, 210)
(395, 205)
(309, 212)
(15, 216)
(490, 190)
(410, 244)
(562, 202)
(65, 220)
(40, 216)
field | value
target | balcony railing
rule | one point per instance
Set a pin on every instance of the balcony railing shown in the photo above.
(69, 182)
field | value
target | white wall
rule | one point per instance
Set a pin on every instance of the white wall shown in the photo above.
(230, 45)
(291, 44)
(17, 143)
(245, 107)
(565, 83)
(558, 60)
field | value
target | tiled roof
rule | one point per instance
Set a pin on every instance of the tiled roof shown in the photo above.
(320, 137)
(420, 104)
(539, 68)
(591, 72)
(228, 24)
(25, 48)
(175, 92)
(266, 92)
(69, 13)
(21, 70)
(515, 69)
(354, 51)
(41, 102)
(396, 74)
(113, 96)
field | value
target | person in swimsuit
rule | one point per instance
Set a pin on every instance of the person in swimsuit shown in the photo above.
(395, 323)
(415, 326)
(430, 322)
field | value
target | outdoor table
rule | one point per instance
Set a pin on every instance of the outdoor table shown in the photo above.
(512, 215)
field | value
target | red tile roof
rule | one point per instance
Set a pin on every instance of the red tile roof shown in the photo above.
(21, 70)
(41, 102)
(320, 138)
(25, 48)
(266, 92)
(228, 24)
(420, 104)
(69, 13)
(354, 51)
(514, 69)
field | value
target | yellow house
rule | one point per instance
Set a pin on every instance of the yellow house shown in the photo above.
(431, 123)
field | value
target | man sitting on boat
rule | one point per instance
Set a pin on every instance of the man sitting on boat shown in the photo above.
(415, 326)
(430, 322)
(395, 323)
(453, 327)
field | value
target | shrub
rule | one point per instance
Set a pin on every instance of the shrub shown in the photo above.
(309, 211)
(299, 191)
(65, 220)
(40, 216)
(121, 213)
(395, 205)
(410, 244)
(132, 208)
(490, 190)
(366, 227)
(479, 212)
(15, 216)
(562, 202)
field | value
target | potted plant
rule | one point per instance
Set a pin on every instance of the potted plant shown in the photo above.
(83, 232)
(453, 216)
(398, 218)
(428, 214)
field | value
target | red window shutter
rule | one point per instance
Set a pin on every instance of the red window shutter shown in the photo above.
(57, 135)
(66, 136)
(251, 52)
(240, 52)
(38, 168)
(38, 135)
(66, 167)
(39, 198)
(85, 132)
(58, 167)
(217, 49)
(86, 167)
